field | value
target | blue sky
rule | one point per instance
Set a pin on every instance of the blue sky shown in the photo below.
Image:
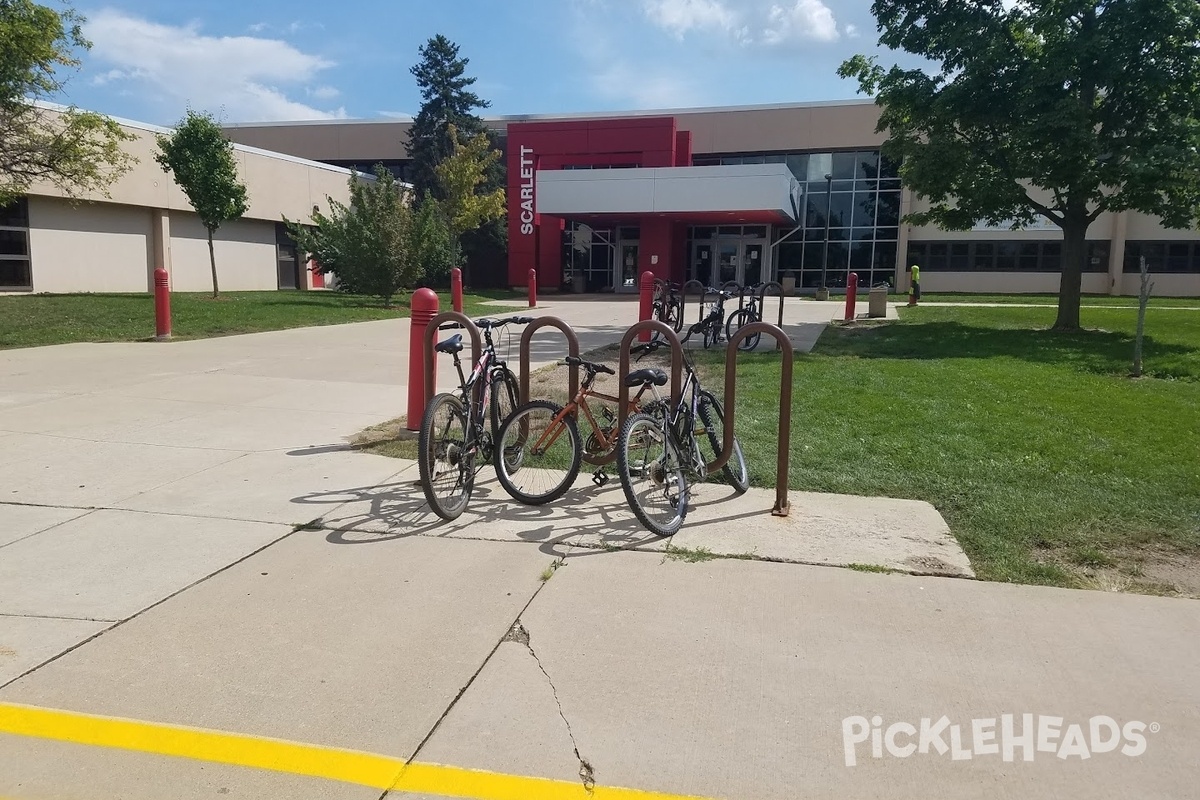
(274, 60)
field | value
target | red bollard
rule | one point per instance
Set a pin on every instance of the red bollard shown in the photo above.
(646, 306)
(533, 288)
(162, 305)
(851, 295)
(456, 289)
(424, 308)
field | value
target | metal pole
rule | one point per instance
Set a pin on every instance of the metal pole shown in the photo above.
(828, 208)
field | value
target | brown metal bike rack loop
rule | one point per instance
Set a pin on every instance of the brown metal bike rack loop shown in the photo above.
(762, 304)
(431, 331)
(572, 350)
(782, 506)
(683, 293)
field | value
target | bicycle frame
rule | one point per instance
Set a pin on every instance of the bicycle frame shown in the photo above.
(579, 403)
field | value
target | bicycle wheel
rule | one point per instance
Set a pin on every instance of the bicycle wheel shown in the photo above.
(537, 457)
(651, 478)
(712, 334)
(505, 392)
(736, 320)
(675, 312)
(713, 418)
(446, 465)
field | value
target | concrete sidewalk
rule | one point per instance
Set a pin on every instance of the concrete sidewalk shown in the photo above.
(185, 538)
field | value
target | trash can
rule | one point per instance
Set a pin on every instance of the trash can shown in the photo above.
(877, 301)
(789, 284)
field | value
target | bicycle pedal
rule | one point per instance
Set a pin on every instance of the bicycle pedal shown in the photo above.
(599, 478)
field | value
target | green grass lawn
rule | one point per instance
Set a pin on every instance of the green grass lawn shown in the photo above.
(1049, 299)
(42, 319)
(1050, 465)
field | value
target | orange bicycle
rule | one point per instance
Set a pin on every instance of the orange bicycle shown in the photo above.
(540, 451)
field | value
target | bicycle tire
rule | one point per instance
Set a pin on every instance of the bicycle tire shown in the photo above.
(505, 393)
(537, 478)
(742, 317)
(713, 416)
(645, 455)
(676, 314)
(443, 441)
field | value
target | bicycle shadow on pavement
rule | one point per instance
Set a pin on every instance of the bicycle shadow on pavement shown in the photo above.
(595, 519)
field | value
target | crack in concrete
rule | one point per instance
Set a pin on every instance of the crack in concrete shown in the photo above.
(520, 635)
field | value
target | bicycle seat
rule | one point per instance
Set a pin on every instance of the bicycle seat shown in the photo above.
(572, 361)
(452, 345)
(643, 376)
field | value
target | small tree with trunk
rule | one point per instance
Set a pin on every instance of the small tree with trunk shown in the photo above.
(202, 160)
(460, 176)
(77, 151)
(1063, 109)
(1146, 287)
(379, 244)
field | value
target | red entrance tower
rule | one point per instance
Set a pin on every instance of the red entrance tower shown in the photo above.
(535, 240)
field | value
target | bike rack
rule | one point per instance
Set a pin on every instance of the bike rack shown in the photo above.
(782, 506)
(431, 331)
(623, 370)
(683, 293)
(572, 350)
(762, 304)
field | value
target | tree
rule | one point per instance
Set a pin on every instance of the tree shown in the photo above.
(1060, 108)
(202, 160)
(459, 179)
(445, 101)
(382, 242)
(77, 151)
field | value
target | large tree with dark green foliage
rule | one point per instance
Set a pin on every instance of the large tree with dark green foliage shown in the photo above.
(77, 151)
(446, 100)
(384, 241)
(202, 160)
(1060, 108)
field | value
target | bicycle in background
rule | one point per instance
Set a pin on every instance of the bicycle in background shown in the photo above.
(668, 304)
(712, 327)
(455, 439)
(744, 316)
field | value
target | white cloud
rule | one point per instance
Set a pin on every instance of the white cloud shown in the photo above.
(746, 22)
(680, 16)
(246, 77)
(324, 93)
(852, 31)
(807, 19)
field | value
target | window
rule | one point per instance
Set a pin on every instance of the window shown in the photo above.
(1010, 256)
(1175, 257)
(15, 270)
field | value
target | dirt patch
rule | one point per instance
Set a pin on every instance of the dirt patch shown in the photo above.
(1157, 571)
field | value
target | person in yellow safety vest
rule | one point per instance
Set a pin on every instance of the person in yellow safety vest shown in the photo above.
(914, 288)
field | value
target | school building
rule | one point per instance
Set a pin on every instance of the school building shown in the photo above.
(794, 192)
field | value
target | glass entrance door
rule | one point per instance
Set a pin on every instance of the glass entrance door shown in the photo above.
(729, 262)
(627, 268)
(752, 270)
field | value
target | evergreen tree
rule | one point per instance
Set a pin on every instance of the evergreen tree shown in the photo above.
(446, 100)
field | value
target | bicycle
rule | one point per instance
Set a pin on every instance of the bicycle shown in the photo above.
(713, 324)
(548, 437)
(744, 316)
(454, 434)
(668, 305)
(659, 455)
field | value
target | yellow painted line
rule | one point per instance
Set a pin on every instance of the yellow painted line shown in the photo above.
(295, 758)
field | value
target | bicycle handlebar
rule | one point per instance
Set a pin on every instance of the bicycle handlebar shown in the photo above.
(591, 366)
(487, 323)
